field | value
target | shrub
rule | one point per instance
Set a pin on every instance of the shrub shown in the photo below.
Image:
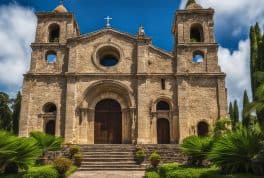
(78, 158)
(152, 174)
(15, 151)
(140, 156)
(71, 170)
(222, 126)
(196, 148)
(74, 149)
(41, 172)
(154, 159)
(235, 151)
(165, 168)
(62, 165)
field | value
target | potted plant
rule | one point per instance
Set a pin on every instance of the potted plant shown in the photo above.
(74, 149)
(140, 156)
(46, 143)
(78, 158)
(154, 159)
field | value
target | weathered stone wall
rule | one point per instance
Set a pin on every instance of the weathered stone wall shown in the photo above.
(76, 81)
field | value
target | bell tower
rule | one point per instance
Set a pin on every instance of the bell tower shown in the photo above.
(195, 45)
(49, 48)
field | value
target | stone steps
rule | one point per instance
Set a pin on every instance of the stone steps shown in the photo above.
(121, 157)
(109, 157)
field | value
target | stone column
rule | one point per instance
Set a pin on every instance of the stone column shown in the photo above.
(124, 125)
(57, 124)
(90, 126)
(83, 122)
(25, 108)
(154, 129)
(70, 119)
(133, 125)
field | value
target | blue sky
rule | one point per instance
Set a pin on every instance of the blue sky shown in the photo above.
(155, 15)
(232, 21)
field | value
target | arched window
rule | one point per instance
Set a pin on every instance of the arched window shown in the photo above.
(54, 33)
(108, 56)
(202, 129)
(198, 56)
(162, 105)
(50, 108)
(196, 33)
(51, 56)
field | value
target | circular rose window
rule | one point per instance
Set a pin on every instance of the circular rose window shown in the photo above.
(108, 56)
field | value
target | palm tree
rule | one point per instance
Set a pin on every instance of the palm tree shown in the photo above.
(20, 152)
(47, 142)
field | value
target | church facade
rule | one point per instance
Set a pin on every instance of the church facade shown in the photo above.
(110, 87)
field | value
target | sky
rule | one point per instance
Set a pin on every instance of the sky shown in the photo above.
(233, 19)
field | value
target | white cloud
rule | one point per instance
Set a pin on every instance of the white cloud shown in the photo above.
(236, 66)
(17, 31)
(243, 12)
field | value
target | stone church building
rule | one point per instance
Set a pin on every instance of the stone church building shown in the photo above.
(111, 87)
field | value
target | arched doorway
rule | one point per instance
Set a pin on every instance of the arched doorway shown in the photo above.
(202, 129)
(108, 122)
(50, 127)
(163, 131)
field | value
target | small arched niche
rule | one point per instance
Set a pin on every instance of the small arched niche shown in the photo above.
(202, 129)
(198, 57)
(49, 108)
(196, 33)
(162, 106)
(51, 56)
(54, 33)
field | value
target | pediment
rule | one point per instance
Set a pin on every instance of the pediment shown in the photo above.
(107, 31)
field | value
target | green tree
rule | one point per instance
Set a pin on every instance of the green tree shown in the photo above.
(16, 112)
(245, 116)
(235, 119)
(5, 112)
(256, 65)
(231, 111)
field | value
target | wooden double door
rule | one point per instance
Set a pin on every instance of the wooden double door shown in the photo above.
(163, 131)
(108, 122)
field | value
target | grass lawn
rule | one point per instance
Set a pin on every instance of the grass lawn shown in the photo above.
(174, 170)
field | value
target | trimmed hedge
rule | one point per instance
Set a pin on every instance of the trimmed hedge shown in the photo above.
(41, 172)
(152, 174)
(173, 170)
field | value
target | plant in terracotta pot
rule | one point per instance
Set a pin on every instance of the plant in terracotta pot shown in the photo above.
(154, 159)
(78, 158)
(46, 143)
(74, 149)
(140, 156)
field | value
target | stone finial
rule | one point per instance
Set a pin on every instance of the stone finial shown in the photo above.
(191, 4)
(60, 9)
(141, 31)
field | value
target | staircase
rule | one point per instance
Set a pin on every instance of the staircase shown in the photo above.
(109, 157)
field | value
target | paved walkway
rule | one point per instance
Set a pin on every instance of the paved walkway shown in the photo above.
(108, 174)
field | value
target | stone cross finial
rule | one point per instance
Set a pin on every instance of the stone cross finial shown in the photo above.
(108, 22)
(141, 31)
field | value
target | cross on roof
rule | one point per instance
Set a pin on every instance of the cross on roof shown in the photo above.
(108, 22)
(62, 2)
